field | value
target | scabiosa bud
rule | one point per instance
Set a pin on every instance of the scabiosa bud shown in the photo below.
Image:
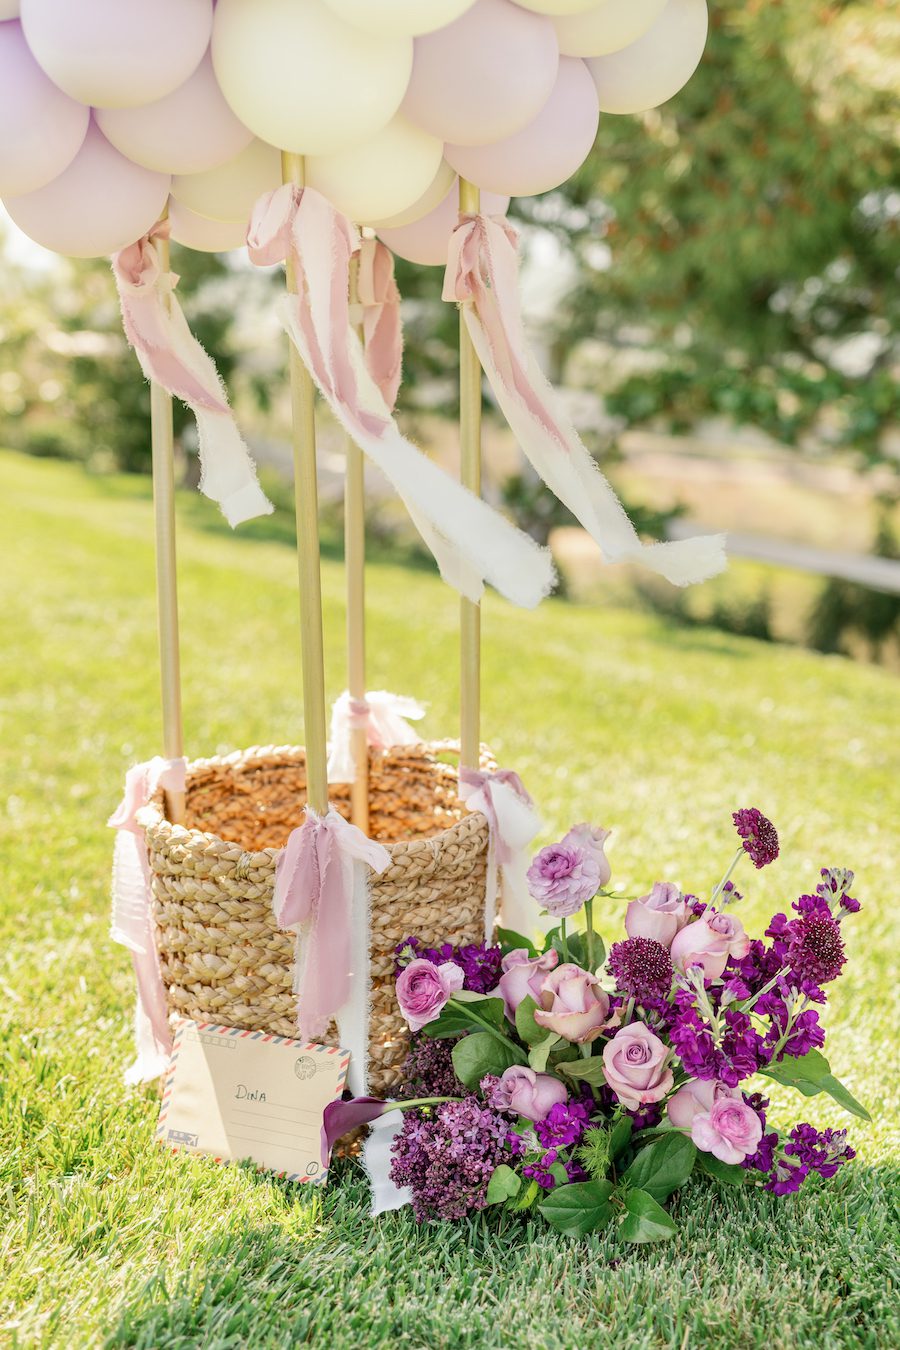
(815, 947)
(642, 968)
(758, 833)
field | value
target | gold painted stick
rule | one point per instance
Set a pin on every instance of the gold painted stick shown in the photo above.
(162, 442)
(470, 474)
(355, 564)
(306, 507)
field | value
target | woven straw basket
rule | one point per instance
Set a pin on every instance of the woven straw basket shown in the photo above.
(223, 958)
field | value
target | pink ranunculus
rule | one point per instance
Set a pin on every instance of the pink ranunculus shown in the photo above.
(730, 1130)
(572, 1004)
(592, 839)
(659, 915)
(708, 943)
(634, 1064)
(562, 877)
(694, 1099)
(528, 1093)
(523, 975)
(424, 988)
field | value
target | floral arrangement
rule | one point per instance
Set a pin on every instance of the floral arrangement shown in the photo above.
(589, 1086)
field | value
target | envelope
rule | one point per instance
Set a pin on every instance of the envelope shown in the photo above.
(239, 1094)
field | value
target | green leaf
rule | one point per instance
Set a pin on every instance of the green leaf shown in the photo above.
(580, 1208)
(478, 1054)
(586, 1070)
(539, 1054)
(512, 941)
(645, 1220)
(577, 944)
(663, 1166)
(732, 1174)
(620, 1136)
(526, 1026)
(811, 1074)
(503, 1185)
(454, 1021)
(559, 1174)
(527, 1198)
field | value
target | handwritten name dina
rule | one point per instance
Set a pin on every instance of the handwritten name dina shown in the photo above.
(245, 1093)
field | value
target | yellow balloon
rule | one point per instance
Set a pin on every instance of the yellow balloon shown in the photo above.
(303, 79)
(408, 18)
(379, 176)
(433, 196)
(204, 235)
(608, 26)
(553, 7)
(230, 191)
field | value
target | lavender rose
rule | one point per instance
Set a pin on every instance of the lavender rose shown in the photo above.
(572, 1004)
(694, 1099)
(634, 1063)
(709, 942)
(659, 915)
(592, 839)
(730, 1130)
(523, 975)
(424, 988)
(527, 1093)
(562, 877)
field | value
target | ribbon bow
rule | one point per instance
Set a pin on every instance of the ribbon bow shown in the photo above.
(321, 891)
(482, 276)
(471, 542)
(379, 298)
(132, 913)
(170, 355)
(512, 824)
(383, 716)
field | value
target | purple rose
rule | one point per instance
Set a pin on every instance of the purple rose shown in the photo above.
(424, 988)
(562, 877)
(522, 975)
(730, 1130)
(572, 1004)
(592, 839)
(634, 1063)
(709, 942)
(694, 1099)
(527, 1093)
(659, 915)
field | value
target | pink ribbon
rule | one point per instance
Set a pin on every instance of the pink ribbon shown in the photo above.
(171, 356)
(132, 913)
(512, 824)
(317, 889)
(471, 542)
(384, 717)
(482, 276)
(379, 297)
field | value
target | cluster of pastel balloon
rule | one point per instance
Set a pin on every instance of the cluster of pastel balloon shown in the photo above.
(112, 109)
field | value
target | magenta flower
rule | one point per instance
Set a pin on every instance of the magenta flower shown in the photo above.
(423, 990)
(642, 968)
(562, 877)
(759, 835)
(815, 947)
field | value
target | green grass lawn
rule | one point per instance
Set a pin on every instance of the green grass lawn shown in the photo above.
(608, 714)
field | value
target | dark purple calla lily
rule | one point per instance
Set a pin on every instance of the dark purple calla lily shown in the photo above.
(340, 1117)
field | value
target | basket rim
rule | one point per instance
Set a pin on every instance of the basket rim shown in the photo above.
(162, 832)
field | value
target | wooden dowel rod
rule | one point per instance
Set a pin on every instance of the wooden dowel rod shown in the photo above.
(470, 474)
(355, 565)
(162, 443)
(306, 507)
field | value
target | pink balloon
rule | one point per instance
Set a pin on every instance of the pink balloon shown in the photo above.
(425, 241)
(41, 128)
(547, 151)
(100, 203)
(483, 77)
(188, 131)
(206, 236)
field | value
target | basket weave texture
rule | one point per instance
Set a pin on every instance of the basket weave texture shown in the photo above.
(222, 956)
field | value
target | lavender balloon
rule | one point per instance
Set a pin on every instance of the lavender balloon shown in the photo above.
(100, 203)
(41, 128)
(425, 241)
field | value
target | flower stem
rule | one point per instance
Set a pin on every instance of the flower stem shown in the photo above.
(466, 1008)
(564, 940)
(717, 890)
(422, 1101)
(589, 915)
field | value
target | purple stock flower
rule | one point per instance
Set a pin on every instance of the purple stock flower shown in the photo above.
(540, 1171)
(565, 1124)
(759, 835)
(835, 885)
(763, 1160)
(642, 967)
(806, 1032)
(479, 962)
(446, 1157)
(786, 1177)
(740, 1053)
(824, 1153)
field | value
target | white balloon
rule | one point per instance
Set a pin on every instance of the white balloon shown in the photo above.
(443, 181)
(379, 176)
(654, 68)
(189, 131)
(206, 236)
(230, 191)
(553, 7)
(608, 26)
(117, 53)
(406, 18)
(303, 79)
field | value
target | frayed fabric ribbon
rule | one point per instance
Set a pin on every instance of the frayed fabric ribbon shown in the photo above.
(512, 824)
(482, 276)
(132, 913)
(382, 715)
(471, 542)
(171, 356)
(379, 299)
(322, 893)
